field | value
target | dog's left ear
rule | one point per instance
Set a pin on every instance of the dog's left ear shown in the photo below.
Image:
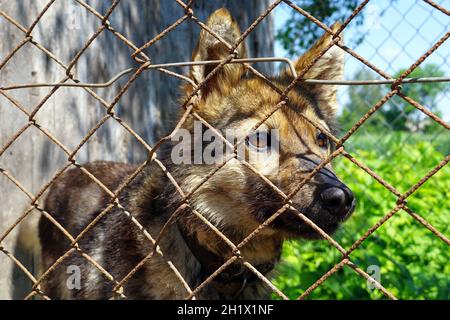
(330, 66)
(209, 48)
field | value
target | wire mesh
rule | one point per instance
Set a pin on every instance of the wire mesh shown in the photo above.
(145, 65)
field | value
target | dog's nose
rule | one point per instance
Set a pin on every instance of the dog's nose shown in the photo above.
(338, 201)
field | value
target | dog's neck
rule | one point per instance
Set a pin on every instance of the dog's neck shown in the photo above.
(235, 276)
(204, 244)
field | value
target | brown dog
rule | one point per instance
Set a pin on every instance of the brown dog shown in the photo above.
(234, 199)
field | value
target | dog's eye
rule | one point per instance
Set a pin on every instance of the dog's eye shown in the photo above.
(322, 140)
(259, 140)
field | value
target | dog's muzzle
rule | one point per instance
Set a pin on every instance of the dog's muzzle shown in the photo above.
(338, 200)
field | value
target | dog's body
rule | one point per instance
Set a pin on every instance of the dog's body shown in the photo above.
(234, 199)
(118, 245)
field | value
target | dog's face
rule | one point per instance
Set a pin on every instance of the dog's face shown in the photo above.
(285, 148)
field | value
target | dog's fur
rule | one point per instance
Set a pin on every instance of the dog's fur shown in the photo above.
(234, 199)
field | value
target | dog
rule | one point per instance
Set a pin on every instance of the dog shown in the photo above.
(234, 199)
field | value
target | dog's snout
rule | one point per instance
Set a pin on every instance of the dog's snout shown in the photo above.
(333, 197)
(338, 200)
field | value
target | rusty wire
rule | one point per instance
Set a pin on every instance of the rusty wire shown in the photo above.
(290, 64)
(70, 80)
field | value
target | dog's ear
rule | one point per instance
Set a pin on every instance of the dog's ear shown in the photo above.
(210, 48)
(330, 66)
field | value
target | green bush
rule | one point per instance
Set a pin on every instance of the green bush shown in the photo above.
(413, 262)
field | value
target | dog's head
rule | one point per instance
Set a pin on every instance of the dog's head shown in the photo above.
(285, 148)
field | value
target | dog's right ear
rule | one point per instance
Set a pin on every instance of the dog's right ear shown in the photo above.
(330, 66)
(210, 48)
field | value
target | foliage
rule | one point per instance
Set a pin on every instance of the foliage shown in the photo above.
(399, 144)
(412, 260)
(424, 93)
(396, 114)
(300, 33)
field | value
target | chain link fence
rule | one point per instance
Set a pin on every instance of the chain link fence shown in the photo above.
(146, 64)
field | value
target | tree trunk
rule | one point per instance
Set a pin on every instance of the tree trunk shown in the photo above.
(148, 107)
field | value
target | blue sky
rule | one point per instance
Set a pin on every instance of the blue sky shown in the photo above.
(394, 40)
